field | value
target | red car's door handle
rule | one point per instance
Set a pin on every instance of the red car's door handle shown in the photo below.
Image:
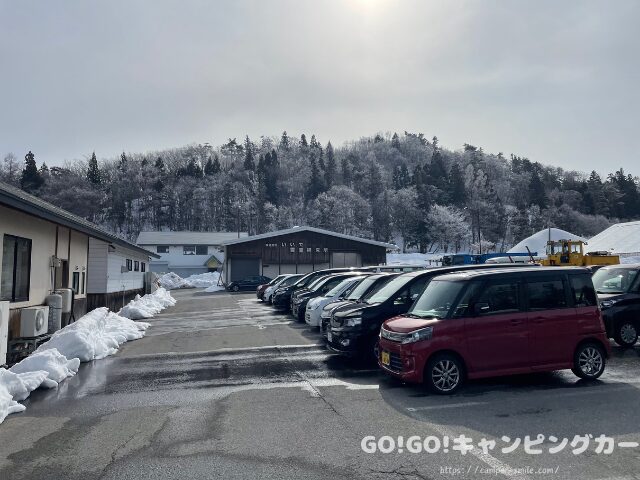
(538, 320)
(516, 322)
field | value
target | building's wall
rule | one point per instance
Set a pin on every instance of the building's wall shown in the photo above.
(71, 246)
(302, 252)
(176, 261)
(118, 281)
(97, 274)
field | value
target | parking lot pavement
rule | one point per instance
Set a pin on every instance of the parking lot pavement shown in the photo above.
(224, 387)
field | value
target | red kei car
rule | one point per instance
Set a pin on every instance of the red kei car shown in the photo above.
(489, 323)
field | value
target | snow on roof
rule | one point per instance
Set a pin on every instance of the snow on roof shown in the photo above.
(277, 233)
(537, 242)
(186, 238)
(621, 238)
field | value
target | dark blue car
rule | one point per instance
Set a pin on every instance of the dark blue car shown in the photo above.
(249, 283)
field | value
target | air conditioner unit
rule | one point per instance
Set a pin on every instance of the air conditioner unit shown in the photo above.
(34, 321)
(4, 331)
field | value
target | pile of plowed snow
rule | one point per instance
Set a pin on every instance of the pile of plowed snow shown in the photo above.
(172, 281)
(95, 335)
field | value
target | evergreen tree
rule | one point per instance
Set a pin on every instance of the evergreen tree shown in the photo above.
(31, 180)
(315, 181)
(303, 141)
(249, 163)
(330, 170)
(314, 143)
(537, 194)
(93, 171)
(345, 171)
(124, 162)
(457, 190)
(209, 169)
(395, 141)
(284, 142)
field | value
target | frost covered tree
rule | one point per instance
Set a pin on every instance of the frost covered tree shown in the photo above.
(30, 180)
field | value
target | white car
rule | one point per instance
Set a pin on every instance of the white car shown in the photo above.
(315, 305)
(283, 282)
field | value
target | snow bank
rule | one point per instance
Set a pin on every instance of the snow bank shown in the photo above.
(57, 366)
(538, 241)
(96, 335)
(172, 281)
(148, 306)
(630, 260)
(620, 238)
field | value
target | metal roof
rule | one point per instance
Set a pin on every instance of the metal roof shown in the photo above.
(186, 238)
(20, 200)
(278, 233)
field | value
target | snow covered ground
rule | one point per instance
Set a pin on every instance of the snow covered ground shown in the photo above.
(209, 281)
(95, 335)
(412, 258)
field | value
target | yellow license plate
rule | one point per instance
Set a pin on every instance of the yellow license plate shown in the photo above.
(385, 358)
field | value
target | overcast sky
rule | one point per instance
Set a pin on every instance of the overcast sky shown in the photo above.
(557, 82)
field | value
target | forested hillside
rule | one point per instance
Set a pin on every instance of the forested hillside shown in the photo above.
(402, 188)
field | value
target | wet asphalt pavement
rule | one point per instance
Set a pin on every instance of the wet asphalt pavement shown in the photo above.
(223, 386)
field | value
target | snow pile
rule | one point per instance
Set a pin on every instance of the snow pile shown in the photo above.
(538, 241)
(412, 258)
(214, 288)
(147, 306)
(96, 335)
(619, 238)
(51, 361)
(172, 281)
(203, 280)
(630, 260)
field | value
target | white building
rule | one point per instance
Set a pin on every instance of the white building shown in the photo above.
(117, 273)
(186, 253)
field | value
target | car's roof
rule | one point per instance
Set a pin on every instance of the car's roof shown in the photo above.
(629, 266)
(483, 273)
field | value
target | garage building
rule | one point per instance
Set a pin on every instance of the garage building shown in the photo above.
(299, 250)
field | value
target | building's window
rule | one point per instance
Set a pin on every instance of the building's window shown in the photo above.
(202, 250)
(82, 284)
(75, 282)
(143, 267)
(136, 266)
(189, 250)
(129, 264)
(16, 269)
(162, 249)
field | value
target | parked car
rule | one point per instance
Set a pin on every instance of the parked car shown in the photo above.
(358, 293)
(481, 323)
(287, 280)
(318, 288)
(354, 328)
(315, 305)
(282, 296)
(262, 287)
(248, 283)
(618, 289)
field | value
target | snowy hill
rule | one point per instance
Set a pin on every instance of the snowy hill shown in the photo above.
(621, 238)
(538, 241)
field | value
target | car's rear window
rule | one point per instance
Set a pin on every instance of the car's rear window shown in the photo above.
(584, 294)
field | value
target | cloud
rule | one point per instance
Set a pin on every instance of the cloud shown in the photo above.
(539, 79)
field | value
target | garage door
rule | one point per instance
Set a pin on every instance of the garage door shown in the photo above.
(345, 259)
(244, 267)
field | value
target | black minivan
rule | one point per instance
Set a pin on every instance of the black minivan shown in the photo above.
(618, 289)
(354, 328)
